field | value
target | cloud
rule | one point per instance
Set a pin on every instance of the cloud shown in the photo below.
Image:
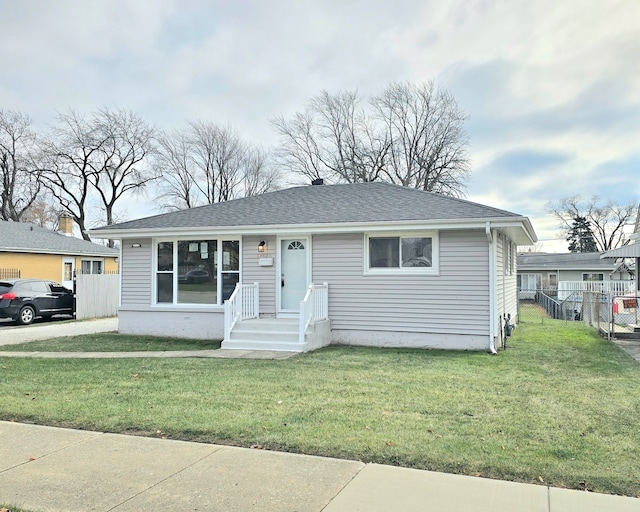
(552, 89)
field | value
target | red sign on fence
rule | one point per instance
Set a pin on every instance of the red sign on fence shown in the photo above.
(630, 303)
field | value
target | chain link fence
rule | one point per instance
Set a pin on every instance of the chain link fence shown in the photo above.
(615, 316)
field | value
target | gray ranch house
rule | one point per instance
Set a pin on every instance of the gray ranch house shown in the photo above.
(369, 264)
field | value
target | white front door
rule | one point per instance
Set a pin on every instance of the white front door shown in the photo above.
(68, 266)
(293, 273)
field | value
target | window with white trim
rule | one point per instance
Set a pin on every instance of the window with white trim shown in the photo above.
(508, 257)
(595, 276)
(529, 282)
(411, 253)
(193, 272)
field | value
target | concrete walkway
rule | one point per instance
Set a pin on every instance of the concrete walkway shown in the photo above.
(631, 347)
(53, 469)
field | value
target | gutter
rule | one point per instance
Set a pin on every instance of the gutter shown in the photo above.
(492, 287)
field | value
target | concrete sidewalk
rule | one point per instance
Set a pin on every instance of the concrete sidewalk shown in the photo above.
(53, 469)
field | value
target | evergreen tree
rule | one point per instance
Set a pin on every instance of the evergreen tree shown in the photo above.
(581, 237)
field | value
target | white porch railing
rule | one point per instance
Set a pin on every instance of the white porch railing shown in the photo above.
(566, 288)
(314, 307)
(243, 304)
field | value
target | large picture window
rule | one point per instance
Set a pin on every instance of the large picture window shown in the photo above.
(196, 271)
(412, 253)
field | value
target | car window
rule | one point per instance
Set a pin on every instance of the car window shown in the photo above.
(5, 287)
(21, 288)
(38, 287)
(58, 288)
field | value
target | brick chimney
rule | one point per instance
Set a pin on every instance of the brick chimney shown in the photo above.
(65, 224)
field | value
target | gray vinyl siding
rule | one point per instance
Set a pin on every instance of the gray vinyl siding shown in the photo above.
(511, 284)
(252, 272)
(500, 274)
(455, 301)
(506, 274)
(136, 272)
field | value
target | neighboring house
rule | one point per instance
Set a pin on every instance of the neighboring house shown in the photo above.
(41, 253)
(365, 264)
(629, 252)
(563, 273)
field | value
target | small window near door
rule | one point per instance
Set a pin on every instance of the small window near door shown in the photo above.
(296, 245)
(68, 271)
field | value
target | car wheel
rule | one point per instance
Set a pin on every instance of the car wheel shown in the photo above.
(26, 315)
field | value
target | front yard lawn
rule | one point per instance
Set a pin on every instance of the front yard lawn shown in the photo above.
(560, 406)
(111, 342)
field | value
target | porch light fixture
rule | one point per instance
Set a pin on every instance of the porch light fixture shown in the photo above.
(262, 246)
(136, 246)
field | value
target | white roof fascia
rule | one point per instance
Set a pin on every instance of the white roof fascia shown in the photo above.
(61, 253)
(626, 251)
(342, 227)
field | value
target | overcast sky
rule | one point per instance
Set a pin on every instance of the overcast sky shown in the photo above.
(551, 88)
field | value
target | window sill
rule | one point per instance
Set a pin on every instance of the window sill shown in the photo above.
(402, 272)
(199, 308)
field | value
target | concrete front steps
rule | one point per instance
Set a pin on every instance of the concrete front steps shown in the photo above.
(276, 334)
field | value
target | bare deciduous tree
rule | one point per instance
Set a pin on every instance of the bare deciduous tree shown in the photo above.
(20, 183)
(413, 135)
(119, 166)
(332, 139)
(174, 169)
(68, 176)
(610, 221)
(206, 164)
(43, 212)
(428, 141)
(96, 160)
(259, 175)
(217, 156)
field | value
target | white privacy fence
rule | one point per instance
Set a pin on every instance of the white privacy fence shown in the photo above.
(97, 295)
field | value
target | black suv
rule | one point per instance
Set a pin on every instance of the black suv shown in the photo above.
(24, 299)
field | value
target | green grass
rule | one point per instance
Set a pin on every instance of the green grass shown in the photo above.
(111, 342)
(560, 405)
(11, 508)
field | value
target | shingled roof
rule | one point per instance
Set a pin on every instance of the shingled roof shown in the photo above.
(323, 204)
(24, 237)
(563, 261)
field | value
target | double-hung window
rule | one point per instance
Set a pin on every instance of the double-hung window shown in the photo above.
(199, 271)
(413, 253)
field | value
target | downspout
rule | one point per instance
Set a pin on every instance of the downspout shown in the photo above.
(492, 287)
